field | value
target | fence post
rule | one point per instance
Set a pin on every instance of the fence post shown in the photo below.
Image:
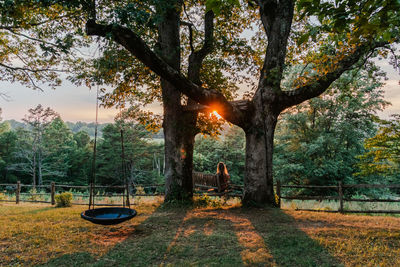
(340, 189)
(278, 192)
(53, 192)
(17, 192)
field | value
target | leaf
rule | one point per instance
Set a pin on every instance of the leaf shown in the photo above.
(217, 5)
(387, 36)
(214, 5)
(303, 39)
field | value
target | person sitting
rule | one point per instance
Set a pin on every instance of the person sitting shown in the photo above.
(223, 177)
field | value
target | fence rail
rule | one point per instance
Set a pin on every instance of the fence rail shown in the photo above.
(53, 188)
(232, 192)
(340, 196)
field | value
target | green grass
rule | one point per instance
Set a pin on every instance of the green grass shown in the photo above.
(226, 235)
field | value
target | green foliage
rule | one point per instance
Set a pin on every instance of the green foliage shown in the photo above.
(218, 5)
(58, 144)
(317, 142)
(33, 195)
(66, 157)
(64, 199)
(138, 154)
(382, 157)
(228, 149)
(36, 41)
(357, 17)
(85, 127)
(207, 201)
(8, 146)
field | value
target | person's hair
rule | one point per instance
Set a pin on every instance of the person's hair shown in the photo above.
(225, 170)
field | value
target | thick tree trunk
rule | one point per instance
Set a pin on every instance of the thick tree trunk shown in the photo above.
(178, 136)
(179, 133)
(189, 132)
(172, 141)
(258, 181)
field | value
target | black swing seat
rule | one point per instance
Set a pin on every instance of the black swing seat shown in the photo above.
(108, 216)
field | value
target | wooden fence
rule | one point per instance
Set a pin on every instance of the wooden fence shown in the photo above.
(340, 196)
(54, 188)
(233, 191)
(214, 181)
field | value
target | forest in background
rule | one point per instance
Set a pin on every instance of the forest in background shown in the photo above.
(331, 138)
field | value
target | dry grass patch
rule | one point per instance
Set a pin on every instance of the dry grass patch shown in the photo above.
(33, 234)
(355, 240)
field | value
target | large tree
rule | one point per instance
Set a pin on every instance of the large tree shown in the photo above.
(38, 119)
(327, 38)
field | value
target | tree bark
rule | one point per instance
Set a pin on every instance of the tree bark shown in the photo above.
(39, 163)
(188, 138)
(258, 182)
(179, 133)
(177, 125)
(34, 170)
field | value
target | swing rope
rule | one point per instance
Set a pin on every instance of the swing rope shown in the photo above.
(125, 194)
(123, 163)
(93, 176)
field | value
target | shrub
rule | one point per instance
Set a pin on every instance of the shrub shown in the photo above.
(2, 196)
(64, 199)
(207, 201)
(32, 195)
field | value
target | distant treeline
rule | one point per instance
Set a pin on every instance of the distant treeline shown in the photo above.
(44, 148)
(75, 127)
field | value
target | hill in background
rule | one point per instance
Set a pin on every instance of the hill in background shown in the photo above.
(77, 127)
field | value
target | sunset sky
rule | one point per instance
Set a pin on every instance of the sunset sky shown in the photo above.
(78, 103)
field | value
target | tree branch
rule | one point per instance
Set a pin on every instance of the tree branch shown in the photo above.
(276, 17)
(321, 84)
(196, 57)
(189, 25)
(28, 69)
(31, 38)
(5, 97)
(13, 27)
(134, 44)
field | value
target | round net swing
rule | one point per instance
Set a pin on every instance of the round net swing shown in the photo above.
(108, 215)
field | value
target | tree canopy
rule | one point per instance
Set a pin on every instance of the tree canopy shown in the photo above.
(38, 43)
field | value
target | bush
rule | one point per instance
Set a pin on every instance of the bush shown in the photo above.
(64, 199)
(33, 195)
(207, 201)
(2, 196)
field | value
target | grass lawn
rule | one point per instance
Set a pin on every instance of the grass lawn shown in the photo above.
(226, 236)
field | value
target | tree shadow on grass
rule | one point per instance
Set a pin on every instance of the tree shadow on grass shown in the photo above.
(144, 245)
(288, 245)
(170, 236)
(36, 211)
(204, 237)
